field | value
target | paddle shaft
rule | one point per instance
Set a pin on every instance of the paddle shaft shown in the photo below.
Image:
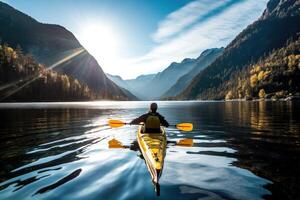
(181, 126)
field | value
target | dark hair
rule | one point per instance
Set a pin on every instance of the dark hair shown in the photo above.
(153, 107)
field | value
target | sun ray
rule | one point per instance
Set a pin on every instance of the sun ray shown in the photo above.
(32, 79)
(69, 57)
(13, 83)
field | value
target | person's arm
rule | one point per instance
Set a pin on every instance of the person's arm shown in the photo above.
(163, 121)
(138, 120)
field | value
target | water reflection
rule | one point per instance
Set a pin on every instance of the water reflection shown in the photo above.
(35, 141)
(59, 182)
(241, 150)
(271, 149)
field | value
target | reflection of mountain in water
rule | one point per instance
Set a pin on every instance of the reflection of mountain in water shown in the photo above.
(270, 149)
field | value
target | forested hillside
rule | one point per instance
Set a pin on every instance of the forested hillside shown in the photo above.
(24, 79)
(276, 76)
(278, 25)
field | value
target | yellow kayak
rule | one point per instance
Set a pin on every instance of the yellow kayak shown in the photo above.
(153, 147)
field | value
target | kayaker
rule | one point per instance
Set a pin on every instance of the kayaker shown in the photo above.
(152, 120)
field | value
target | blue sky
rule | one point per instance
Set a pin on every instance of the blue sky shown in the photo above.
(133, 37)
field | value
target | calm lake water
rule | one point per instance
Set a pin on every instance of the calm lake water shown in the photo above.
(242, 150)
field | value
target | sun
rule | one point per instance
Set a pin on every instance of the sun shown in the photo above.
(101, 40)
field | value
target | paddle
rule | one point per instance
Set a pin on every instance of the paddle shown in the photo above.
(113, 144)
(188, 142)
(113, 123)
(184, 126)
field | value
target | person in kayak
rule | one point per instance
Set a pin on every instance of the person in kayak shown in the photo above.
(152, 120)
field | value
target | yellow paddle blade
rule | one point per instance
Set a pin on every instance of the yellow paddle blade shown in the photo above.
(185, 126)
(113, 144)
(185, 142)
(113, 123)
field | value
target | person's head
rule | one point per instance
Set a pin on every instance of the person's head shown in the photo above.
(153, 107)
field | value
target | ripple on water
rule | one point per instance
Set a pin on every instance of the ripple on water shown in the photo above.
(213, 173)
(63, 152)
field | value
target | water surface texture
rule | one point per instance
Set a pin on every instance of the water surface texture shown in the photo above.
(242, 150)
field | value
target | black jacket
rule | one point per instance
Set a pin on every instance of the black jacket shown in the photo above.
(143, 119)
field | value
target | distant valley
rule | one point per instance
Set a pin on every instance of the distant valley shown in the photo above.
(170, 81)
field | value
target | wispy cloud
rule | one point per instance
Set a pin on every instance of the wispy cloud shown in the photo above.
(189, 14)
(180, 19)
(195, 27)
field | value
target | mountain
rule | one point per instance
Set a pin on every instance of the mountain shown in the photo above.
(52, 43)
(135, 86)
(138, 85)
(167, 78)
(123, 85)
(119, 81)
(278, 24)
(205, 59)
(171, 80)
(153, 86)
